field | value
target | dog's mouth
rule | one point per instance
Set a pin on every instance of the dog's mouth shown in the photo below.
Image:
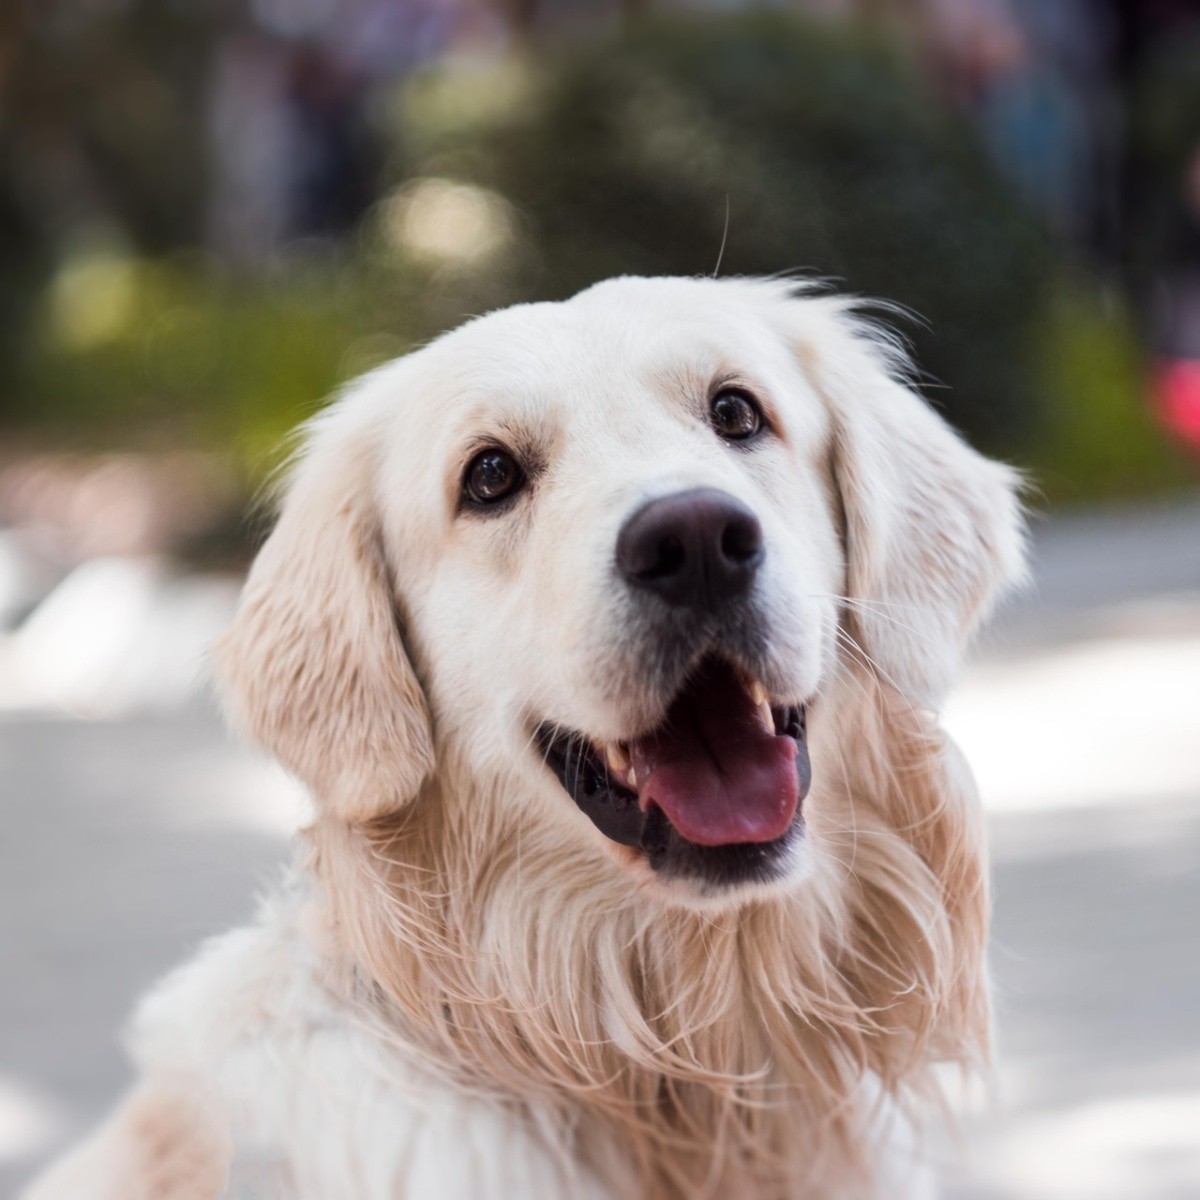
(714, 790)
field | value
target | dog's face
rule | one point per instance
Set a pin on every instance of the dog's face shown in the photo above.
(621, 536)
(616, 540)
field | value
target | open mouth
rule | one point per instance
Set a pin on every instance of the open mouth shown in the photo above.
(713, 791)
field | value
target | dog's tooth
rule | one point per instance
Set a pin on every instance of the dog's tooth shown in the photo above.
(758, 694)
(766, 715)
(632, 778)
(617, 756)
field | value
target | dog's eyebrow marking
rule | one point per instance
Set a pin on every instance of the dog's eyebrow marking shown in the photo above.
(680, 377)
(511, 437)
(700, 385)
(696, 384)
(484, 427)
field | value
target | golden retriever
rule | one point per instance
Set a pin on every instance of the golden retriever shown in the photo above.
(609, 636)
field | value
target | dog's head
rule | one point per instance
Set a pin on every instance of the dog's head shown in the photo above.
(603, 561)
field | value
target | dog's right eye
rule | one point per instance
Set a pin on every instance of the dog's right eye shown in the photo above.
(491, 476)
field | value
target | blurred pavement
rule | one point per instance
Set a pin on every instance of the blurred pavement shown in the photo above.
(1081, 716)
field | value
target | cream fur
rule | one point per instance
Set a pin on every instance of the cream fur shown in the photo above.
(466, 991)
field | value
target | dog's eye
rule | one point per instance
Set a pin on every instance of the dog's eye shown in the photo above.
(491, 476)
(735, 415)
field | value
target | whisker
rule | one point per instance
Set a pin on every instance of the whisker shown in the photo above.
(875, 609)
(866, 660)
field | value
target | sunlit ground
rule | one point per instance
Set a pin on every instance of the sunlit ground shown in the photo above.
(1088, 754)
(133, 828)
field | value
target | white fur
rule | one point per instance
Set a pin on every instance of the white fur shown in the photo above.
(466, 991)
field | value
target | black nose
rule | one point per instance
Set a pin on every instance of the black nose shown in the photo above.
(694, 549)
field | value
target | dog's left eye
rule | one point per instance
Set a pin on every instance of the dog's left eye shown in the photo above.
(735, 415)
(491, 476)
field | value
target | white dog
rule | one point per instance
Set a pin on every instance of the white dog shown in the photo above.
(609, 637)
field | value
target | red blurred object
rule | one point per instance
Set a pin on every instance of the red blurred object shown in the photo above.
(1176, 397)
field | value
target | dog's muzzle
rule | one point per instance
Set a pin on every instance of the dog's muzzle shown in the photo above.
(713, 792)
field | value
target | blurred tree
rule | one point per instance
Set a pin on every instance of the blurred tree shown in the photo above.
(100, 106)
(624, 156)
(510, 176)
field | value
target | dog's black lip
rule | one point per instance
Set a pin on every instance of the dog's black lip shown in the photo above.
(614, 809)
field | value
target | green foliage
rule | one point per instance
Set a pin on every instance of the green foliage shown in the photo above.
(177, 351)
(623, 157)
(535, 175)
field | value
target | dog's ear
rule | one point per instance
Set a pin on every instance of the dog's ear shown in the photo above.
(314, 666)
(933, 531)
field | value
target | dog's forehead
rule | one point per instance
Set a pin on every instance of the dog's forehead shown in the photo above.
(609, 347)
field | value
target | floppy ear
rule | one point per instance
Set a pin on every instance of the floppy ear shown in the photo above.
(314, 666)
(933, 530)
(933, 535)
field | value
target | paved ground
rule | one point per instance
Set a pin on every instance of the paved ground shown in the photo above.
(132, 833)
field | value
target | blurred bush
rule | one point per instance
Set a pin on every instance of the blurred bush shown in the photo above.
(534, 175)
(827, 152)
(180, 350)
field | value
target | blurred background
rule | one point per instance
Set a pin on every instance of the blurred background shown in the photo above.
(213, 212)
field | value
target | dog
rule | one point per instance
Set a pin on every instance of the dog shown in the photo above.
(609, 637)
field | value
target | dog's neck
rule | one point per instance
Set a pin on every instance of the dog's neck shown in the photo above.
(716, 1052)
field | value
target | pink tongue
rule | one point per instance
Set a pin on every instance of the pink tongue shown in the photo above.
(716, 771)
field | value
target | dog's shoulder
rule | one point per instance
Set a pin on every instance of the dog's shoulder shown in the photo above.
(315, 1087)
(238, 987)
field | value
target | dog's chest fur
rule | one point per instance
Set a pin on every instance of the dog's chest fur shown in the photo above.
(318, 1090)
